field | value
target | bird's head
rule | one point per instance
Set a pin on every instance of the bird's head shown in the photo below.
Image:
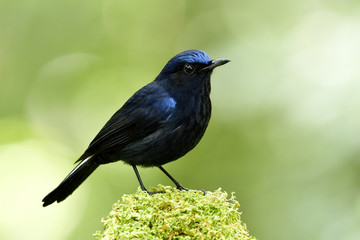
(191, 68)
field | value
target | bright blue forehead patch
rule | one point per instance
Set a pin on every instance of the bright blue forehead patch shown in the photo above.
(189, 56)
(192, 56)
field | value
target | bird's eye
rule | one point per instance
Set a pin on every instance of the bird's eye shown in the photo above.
(188, 68)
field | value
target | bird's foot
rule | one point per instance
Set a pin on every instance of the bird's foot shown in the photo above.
(181, 188)
(152, 193)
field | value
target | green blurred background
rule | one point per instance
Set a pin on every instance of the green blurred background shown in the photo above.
(284, 134)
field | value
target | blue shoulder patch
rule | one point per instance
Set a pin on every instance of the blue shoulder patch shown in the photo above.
(166, 104)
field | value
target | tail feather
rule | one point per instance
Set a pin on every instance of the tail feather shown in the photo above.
(71, 182)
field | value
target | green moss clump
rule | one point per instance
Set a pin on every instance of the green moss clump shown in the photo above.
(174, 215)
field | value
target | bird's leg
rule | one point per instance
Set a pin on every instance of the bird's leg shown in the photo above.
(139, 179)
(141, 183)
(178, 185)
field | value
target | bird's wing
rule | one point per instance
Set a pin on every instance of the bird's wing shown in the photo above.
(138, 118)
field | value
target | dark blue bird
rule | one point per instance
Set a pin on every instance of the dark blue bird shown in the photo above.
(160, 123)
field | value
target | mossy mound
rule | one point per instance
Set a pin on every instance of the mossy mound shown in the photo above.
(175, 215)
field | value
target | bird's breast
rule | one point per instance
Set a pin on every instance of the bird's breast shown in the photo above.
(177, 134)
(192, 117)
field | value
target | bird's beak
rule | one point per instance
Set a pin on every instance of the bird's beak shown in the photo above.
(215, 63)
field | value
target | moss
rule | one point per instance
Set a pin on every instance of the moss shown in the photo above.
(174, 215)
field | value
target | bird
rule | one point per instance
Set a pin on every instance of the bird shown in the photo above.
(160, 123)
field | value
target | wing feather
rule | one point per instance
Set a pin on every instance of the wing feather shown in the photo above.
(138, 118)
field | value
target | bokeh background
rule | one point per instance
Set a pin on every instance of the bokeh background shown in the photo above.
(284, 134)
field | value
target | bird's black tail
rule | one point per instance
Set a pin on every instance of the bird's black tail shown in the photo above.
(71, 182)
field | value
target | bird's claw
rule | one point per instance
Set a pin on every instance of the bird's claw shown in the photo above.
(181, 188)
(152, 193)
